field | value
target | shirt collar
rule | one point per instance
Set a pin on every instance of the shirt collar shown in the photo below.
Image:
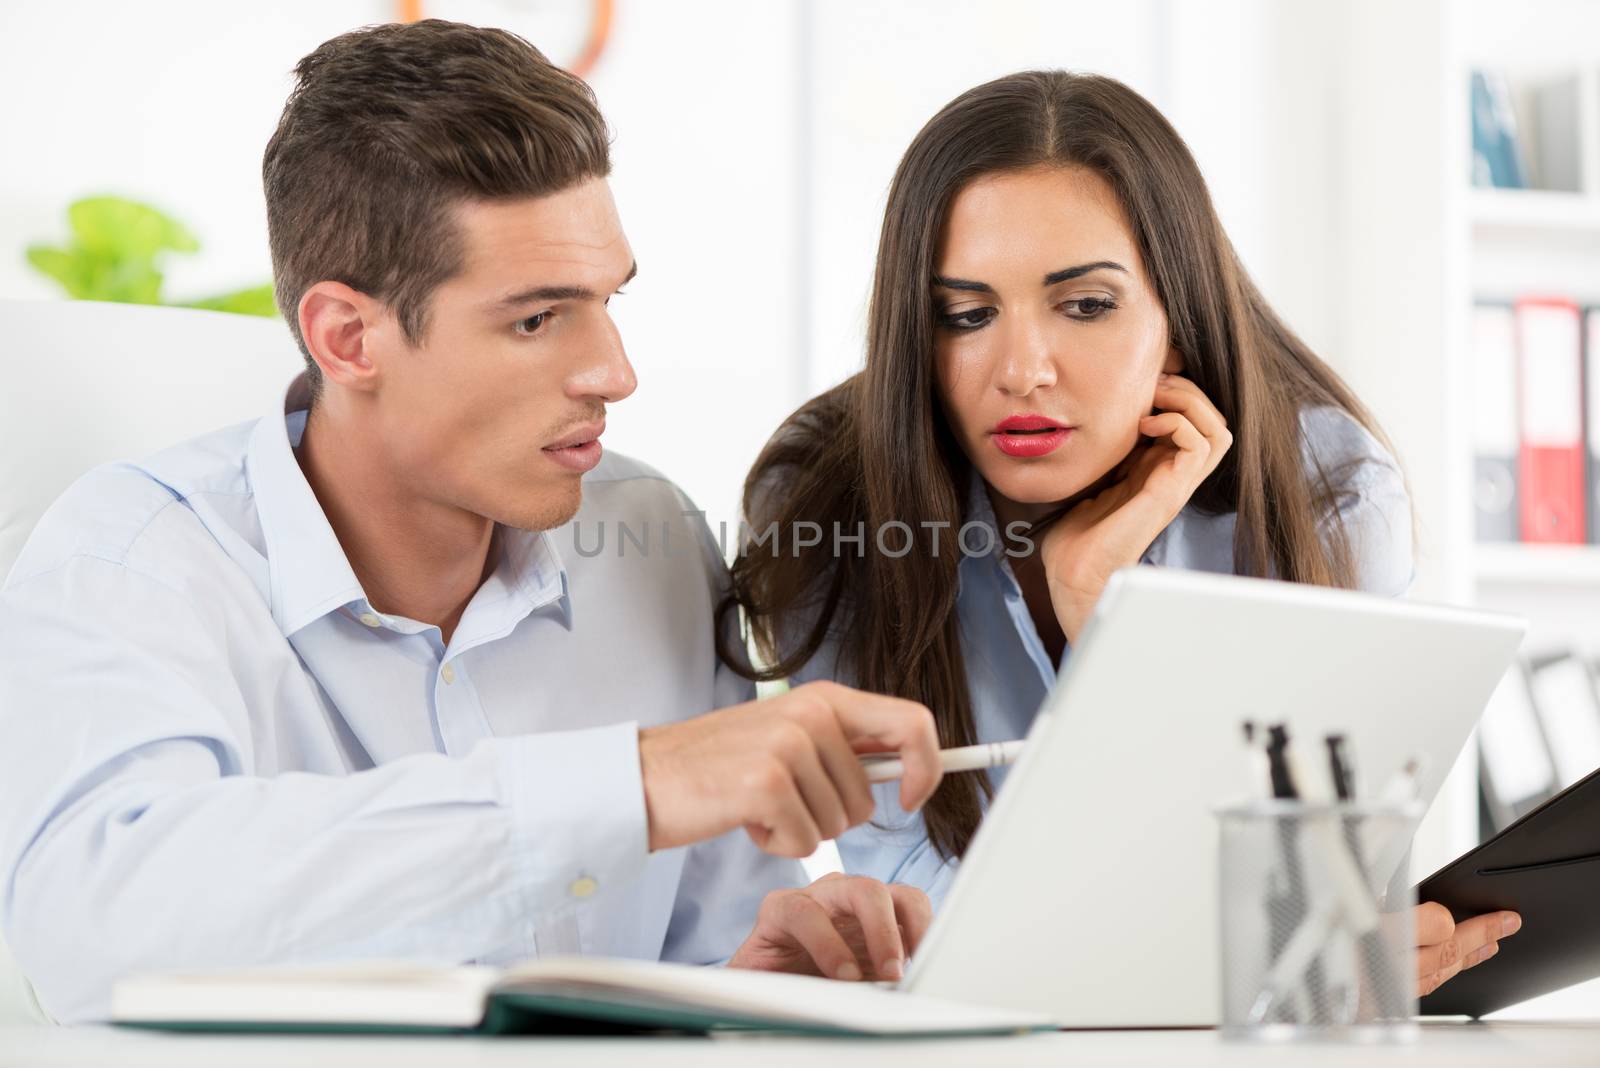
(980, 510)
(310, 574)
(529, 574)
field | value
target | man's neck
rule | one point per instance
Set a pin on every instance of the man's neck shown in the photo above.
(414, 558)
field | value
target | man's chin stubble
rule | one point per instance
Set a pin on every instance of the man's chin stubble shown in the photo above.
(549, 514)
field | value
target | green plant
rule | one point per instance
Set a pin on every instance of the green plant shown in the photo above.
(115, 255)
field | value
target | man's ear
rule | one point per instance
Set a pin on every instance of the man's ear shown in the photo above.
(338, 324)
(1174, 364)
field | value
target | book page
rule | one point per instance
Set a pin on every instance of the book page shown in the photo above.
(797, 1000)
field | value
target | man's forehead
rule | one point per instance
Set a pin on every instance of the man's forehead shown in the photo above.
(576, 229)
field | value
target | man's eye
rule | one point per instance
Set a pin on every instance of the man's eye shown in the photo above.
(530, 325)
(970, 319)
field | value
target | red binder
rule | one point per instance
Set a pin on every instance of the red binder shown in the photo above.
(1550, 401)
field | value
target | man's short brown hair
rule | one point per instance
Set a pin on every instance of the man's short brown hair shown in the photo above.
(386, 129)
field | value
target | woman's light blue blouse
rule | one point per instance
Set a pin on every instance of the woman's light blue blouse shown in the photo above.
(1009, 671)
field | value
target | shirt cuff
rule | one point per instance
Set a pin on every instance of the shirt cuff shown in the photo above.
(577, 800)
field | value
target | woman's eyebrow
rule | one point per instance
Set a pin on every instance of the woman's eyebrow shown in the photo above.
(1070, 273)
(962, 283)
(1064, 275)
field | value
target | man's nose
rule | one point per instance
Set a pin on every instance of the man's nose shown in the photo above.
(607, 376)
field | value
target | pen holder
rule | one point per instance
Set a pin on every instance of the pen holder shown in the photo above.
(1317, 938)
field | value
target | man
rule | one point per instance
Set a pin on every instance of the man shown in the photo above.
(347, 682)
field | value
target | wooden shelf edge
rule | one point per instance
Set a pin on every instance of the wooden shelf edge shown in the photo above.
(1577, 565)
(1534, 210)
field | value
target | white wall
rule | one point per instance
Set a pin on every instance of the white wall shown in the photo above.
(173, 102)
(754, 146)
(702, 99)
(170, 102)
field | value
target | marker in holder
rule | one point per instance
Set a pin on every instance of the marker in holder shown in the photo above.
(1311, 947)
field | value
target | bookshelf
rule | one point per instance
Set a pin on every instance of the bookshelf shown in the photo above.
(1407, 244)
(1536, 215)
(1419, 245)
(1526, 241)
(1537, 240)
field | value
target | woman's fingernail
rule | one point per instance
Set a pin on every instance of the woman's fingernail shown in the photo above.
(1511, 924)
(849, 972)
(891, 969)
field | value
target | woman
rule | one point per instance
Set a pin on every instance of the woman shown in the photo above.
(1063, 348)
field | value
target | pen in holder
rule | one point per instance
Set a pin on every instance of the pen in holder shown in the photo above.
(1312, 947)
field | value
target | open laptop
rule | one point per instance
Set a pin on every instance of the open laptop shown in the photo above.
(1090, 890)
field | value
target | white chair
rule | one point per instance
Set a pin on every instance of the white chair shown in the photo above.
(83, 384)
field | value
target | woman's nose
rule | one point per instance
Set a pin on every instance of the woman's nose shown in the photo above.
(1026, 361)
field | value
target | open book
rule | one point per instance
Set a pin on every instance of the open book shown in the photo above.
(564, 995)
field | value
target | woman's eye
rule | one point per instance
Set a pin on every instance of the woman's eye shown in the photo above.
(967, 320)
(529, 326)
(1087, 309)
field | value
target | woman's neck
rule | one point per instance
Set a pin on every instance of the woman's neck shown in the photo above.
(1029, 568)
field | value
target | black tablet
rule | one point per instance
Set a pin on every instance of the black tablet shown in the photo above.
(1545, 866)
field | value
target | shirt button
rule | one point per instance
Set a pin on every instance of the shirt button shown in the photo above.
(371, 620)
(583, 887)
(448, 674)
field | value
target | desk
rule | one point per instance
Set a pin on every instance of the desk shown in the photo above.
(1516, 1044)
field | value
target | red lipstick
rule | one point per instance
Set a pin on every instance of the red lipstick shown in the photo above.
(1029, 436)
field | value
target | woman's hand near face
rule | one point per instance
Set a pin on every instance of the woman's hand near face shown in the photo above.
(1112, 530)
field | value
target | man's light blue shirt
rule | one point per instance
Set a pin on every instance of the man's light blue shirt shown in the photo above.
(215, 752)
(1009, 671)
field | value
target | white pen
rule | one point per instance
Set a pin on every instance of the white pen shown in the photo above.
(1352, 902)
(1312, 784)
(1257, 764)
(887, 768)
(1403, 787)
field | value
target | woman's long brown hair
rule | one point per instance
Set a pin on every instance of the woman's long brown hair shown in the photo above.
(875, 449)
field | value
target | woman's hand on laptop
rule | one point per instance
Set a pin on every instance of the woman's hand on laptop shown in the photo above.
(841, 927)
(1445, 947)
(1112, 529)
(787, 769)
